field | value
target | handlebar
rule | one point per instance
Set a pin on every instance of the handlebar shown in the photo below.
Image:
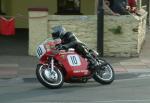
(60, 47)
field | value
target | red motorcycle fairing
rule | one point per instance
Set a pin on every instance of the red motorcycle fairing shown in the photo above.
(74, 64)
(44, 58)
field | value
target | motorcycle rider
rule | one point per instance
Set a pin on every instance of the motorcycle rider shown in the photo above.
(69, 40)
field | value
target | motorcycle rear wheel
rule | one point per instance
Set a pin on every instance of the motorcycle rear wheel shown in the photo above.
(104, 75)
(43, 75)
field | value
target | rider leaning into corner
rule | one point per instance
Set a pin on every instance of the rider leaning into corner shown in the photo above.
(69, 40)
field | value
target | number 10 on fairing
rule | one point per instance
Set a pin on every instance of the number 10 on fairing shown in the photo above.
(74, 60)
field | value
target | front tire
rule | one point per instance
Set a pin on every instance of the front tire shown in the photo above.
(44, 76)
(104, 74)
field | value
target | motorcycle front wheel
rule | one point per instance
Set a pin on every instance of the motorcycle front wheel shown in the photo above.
(50, 79)
(104, 74)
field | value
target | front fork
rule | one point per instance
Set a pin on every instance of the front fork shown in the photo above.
(51, 64)
(50, 73)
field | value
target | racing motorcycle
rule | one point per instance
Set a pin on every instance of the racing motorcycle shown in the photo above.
(57, 66)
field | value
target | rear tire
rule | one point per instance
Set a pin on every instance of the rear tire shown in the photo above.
(104, 75)
(44, 79)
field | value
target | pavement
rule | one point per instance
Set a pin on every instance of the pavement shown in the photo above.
(24, 66)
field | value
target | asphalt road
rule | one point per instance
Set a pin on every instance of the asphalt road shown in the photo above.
(128, 90)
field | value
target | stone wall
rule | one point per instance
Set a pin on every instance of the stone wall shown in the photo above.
(120, 38)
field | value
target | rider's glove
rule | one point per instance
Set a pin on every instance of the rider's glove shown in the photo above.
(60, 46)
(64, 47)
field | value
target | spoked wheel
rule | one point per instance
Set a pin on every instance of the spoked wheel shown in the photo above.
(50, 79)
(104, 74)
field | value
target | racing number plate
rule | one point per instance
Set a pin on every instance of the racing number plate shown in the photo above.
(74, 60)
(40, 51)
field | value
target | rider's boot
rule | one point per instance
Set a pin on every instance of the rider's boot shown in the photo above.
(92, 62)
(93, 65)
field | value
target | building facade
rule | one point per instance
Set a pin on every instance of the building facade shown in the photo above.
(19, 8)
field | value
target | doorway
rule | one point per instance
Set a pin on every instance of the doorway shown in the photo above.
(68, 7)
(16, 45)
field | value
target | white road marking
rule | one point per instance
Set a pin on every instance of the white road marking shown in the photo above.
(136, 78)
(114, 101)
(107, 101)
(144, 75)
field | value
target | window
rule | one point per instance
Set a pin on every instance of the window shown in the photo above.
(69, 7)
(1, 8)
